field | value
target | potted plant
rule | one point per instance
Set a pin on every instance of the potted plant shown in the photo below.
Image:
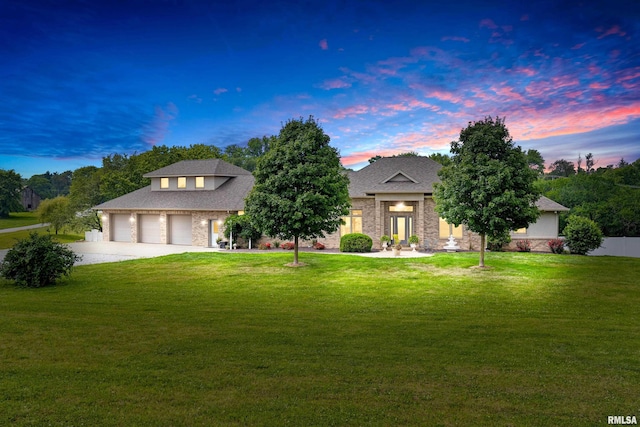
(413, 242)
(384, 241)
(396, 249)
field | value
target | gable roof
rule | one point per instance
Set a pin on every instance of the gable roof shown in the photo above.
(208, 167)
(395, 175)
(547, 205)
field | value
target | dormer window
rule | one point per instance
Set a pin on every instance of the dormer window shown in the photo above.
(164, 182)
(182, 182)
(199, 181)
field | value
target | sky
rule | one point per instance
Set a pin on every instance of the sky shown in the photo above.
(81, 80)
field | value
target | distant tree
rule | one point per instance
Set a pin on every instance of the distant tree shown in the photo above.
(443, 159)
(535, 161)
(562, 167)
(247, 156)
(42, 186)
(590, 162)
(489, 186)
(407, 154)
(56, 211)
(10, 188)
(300, 191)
(374, 159)
(84, 194)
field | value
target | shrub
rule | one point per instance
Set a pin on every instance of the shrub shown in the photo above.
(264, 246)
(355, 242)
(556, 246)
(582, 235)
(414, 240)
(523, 245)
(318, 246)
(37, 261)
(288, 246)
(276, 244)
(497, 243)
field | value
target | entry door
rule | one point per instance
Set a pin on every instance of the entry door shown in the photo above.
(214, 232)
(402, 225)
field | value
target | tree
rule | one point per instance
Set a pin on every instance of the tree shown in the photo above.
(489, 186)
(301, 190)
(535, 161)
(582, 235)
(37, 261)
(10, 187)
(241, 226)
(562, 167)
(443, 159)
(84, 194)
(56, 211)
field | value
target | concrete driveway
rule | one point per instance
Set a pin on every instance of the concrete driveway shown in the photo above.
(101, 252)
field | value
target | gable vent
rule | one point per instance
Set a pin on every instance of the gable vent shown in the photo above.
(400, 177)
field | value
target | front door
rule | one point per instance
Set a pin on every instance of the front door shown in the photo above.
(214, 232)
(402, 226)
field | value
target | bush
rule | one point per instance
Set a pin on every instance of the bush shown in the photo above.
(288, 246)
(355, 242)
(318, 246)
(556, 246)
(497, 243)
(523, 245)
(582, 235)
(37, 261)
(264, 246)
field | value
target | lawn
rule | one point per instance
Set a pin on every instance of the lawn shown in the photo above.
(240, 339)
(7, 240)
(19, 219)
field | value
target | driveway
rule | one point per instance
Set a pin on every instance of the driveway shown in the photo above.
(101, 252)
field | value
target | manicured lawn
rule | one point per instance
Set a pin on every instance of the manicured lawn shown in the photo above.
(7, 240)
(19, 219)
(239, 339)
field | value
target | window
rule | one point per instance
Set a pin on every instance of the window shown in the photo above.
(199, 181)
(445, 232)
(182, 182)
(352, 223)
(400, 207)
(164, 182)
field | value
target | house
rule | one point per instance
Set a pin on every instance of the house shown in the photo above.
(186, 204)
(394, 196)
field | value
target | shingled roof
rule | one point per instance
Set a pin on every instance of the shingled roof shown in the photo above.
(209, 167)
(547, 205)
(395, 175)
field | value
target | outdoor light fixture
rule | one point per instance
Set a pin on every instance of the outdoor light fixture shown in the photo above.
(203, 223)
(132, 218)
(400, 205)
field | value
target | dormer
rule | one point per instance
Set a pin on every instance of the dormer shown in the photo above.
(194, 175)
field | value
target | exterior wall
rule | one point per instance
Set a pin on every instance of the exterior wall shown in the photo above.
(199, 224)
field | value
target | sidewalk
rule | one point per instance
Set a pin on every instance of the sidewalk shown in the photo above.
(26, 227)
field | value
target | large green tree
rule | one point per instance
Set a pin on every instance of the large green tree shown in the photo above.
(57, 212)
(489, 186)
(10, 186)
(301, 190)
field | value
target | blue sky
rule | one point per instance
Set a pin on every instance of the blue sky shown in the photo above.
(84, 79)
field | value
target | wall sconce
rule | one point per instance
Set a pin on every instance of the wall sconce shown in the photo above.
(203, 223)
(132, 218)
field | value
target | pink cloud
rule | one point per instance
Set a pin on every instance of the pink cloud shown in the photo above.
(354, 110)
(323, 44)
(488, 23)
(158, 129)
(220, 91)
(578, 46)
(455, 39)
(338, 83)
(614, 30)
(598, 85)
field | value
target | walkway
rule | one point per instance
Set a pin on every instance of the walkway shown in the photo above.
(26, 227)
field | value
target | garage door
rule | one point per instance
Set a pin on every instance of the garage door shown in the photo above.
(120, 228)
(180, 229)
(149, 228)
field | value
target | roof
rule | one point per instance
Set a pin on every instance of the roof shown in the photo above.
(395, 175)
(209, 167)
(228, 197)
(547, 205)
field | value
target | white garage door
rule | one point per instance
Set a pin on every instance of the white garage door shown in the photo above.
(120, 228)
(149, 228)
(180, 229)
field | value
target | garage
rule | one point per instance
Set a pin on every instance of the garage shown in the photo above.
(180, 229)
(120, 228)
(149, 228)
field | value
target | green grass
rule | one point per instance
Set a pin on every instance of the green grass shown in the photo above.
(7, 240)
(19, 219)
(240, 339)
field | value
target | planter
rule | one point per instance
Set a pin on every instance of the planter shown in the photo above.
(384, 246)
(413, 246)
(396, 252)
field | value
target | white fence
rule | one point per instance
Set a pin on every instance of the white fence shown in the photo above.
(619, 246)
